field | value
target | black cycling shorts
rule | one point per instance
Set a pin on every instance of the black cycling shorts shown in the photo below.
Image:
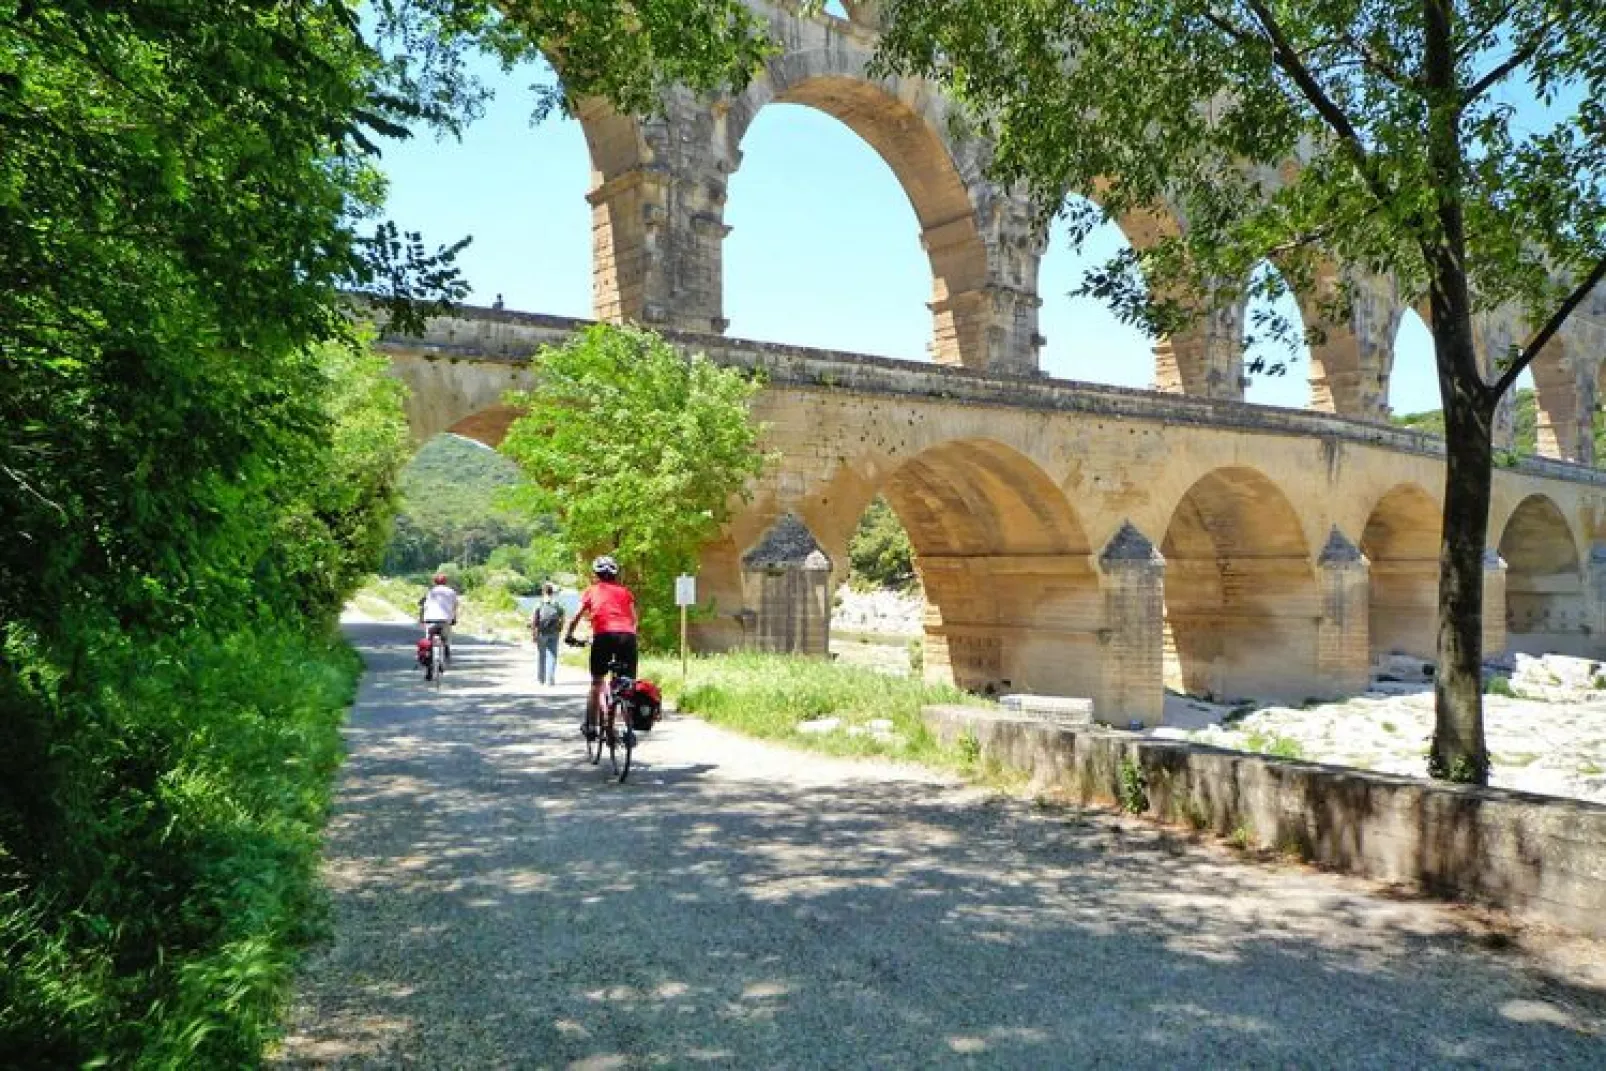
(609, 647)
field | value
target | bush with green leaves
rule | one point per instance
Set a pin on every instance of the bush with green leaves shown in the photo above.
(639, 452)
(880, 554)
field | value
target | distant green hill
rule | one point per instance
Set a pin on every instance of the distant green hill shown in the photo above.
(449, 510)
(1526, 440)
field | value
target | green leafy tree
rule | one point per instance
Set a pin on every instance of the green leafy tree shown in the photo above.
(334, 529)
(880, 553)
(195, 462)
(1408, 158)
(638, 452)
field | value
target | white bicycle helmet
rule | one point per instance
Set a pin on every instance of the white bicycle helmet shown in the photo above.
(605, 566)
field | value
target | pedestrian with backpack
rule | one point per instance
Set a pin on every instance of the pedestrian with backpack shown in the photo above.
(546, 628)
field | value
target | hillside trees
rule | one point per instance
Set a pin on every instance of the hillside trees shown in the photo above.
(1459, 145)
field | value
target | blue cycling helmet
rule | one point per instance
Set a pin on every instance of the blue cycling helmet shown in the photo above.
(605, 566)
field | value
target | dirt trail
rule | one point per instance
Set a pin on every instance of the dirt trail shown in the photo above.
(498, 903)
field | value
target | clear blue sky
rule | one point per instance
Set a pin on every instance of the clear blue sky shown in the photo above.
(824, 247)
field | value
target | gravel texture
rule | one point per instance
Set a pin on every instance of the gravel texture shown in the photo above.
(500, 904)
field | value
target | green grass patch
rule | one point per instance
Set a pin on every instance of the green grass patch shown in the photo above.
(1270, 743)
(771, 696)
(1499, 685)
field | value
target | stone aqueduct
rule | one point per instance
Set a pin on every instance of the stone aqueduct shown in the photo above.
(1073, 539)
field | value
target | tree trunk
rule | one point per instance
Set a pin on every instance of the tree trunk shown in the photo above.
(1458, 752)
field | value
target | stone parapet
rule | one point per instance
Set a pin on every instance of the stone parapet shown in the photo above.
(1541, 858)
(503, 336)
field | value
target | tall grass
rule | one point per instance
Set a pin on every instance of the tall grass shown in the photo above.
(773, 696)
(160, 825)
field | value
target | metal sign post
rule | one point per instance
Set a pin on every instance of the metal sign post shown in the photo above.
(685, 596)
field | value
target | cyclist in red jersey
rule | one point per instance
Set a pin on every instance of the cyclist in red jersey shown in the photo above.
(611, 609)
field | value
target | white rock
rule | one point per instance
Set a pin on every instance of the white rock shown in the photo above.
(819, 725)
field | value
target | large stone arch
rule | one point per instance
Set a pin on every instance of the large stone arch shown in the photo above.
(1401, 543)
(1013, 596)
(1546, 605)
(979, 240)
(1241, 601)
(1013, 599)
(461, 397)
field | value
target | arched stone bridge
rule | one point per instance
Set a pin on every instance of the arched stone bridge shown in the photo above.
(1086, 540)
(658, 209)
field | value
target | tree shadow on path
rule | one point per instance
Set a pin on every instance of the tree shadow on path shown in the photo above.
(499, 903)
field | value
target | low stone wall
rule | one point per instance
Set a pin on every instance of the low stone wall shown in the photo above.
(1540, 858)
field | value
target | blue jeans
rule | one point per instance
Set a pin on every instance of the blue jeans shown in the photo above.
(547, 668)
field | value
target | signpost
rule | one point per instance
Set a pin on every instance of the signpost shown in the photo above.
(685, 596)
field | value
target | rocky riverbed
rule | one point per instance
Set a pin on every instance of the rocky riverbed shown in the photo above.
(1548, 735)
(1545, 717)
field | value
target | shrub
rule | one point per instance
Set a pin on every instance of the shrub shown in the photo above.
(1134, 793)
(159, 841)
(1276, 744)
(1500, 685)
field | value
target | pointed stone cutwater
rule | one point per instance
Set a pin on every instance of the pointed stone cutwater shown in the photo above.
(788, 544)
(1132, 641)
(1343, 636)
(786, 590)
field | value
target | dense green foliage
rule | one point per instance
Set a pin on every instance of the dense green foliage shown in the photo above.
(1330, 133)
(160, 823)
(451, 509)
(638, 452)
(197, 463)
(162, 785)
(880, 554)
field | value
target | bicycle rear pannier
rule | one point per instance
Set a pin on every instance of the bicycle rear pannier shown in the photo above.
(646, 704)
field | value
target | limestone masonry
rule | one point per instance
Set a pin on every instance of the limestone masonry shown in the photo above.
(1072, 539)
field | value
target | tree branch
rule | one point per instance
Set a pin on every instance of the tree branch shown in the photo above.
(1284, 56)
(1378, 65)
(1546, 333)
(1522, 55)
(1489, 27)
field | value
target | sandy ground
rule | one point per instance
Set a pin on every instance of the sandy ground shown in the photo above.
(499, 903)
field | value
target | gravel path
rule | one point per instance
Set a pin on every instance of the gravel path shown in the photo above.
(500, 904)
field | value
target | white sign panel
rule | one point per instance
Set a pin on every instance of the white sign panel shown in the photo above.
(685, 591)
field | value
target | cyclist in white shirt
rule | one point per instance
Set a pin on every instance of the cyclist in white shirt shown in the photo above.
(439, 607)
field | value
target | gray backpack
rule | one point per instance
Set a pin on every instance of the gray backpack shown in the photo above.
(548, 618)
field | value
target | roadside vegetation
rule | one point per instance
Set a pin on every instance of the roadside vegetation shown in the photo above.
(198, 461)
(825, 706)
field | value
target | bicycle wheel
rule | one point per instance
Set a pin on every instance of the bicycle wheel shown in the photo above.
(437, 657)
(621, 746)
(593, 743)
